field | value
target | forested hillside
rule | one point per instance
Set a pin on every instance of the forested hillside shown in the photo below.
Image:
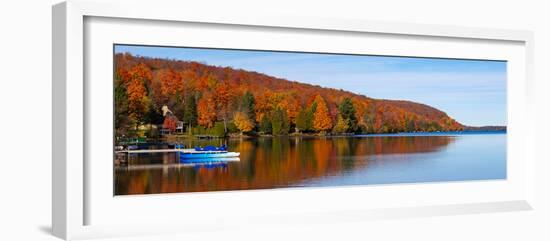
(208, 97)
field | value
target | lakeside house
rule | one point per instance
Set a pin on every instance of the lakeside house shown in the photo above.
(171, 123)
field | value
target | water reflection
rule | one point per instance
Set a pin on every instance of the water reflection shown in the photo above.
(268, 163)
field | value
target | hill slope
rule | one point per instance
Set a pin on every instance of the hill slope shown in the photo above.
(143, 85)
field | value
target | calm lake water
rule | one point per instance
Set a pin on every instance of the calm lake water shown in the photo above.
(320, 162)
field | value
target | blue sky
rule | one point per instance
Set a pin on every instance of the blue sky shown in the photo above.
(471, 91)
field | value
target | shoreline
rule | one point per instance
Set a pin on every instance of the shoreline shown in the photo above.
(174, 138)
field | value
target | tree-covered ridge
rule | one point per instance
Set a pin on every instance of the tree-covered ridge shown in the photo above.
(230, 100)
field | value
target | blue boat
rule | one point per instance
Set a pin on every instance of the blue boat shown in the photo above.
(207, 152)
(211, 148)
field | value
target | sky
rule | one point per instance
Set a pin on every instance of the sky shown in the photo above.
(473, 92)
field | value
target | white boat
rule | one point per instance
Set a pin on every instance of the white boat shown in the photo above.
(201, 161)
(207, 154)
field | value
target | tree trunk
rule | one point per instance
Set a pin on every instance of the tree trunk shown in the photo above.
(224, 125)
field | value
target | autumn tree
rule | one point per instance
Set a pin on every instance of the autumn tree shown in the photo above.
(263, 105)
(206, 111)
(360, 107)
(409, 123)
(189, 78)
(222, 96)
(206, 82)
(289, 103)
(144, 84)
(243, 122)
(341, 126)
(347, 112)
(267, 101)
(122, 76)
(168, 88)
(369, 118)
(433, 126)
(321, 118)
(138, 102)
(142, 72)
(171, 83)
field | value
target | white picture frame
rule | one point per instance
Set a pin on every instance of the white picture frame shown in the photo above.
(73, 194)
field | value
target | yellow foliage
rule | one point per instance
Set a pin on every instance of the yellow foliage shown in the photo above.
(243, 123)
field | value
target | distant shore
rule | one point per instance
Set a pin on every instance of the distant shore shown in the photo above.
(176, 137)
(485, 128)
(255, 135)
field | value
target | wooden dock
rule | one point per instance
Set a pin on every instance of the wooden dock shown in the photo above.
(187, 150)
(154, 151)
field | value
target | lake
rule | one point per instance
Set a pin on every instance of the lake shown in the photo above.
(281, 162)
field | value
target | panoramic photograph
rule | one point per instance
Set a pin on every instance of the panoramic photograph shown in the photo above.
(203, 119)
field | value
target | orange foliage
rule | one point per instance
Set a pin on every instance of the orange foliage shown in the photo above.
(141, 72)
(137, 99)
(221, 87)
(263, 105)
(321, 118)
(206, 111)
(291, 104)
(123, 75)
(222, 96)
(202, 84)
(171, 83)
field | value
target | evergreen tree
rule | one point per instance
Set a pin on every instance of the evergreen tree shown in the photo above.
(247, 105)
(347, 110)
(177, 102)
(121, 106)
(309, 117)
(265, 125)
(190, 111)
(301, 121)
(219, 129)
(280, 123)
(153, 115)
(286, 123)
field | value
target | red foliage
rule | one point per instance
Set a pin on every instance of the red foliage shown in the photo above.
(220, 87)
